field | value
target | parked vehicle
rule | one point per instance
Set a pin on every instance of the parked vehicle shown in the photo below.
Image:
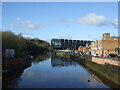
(81, 53)
(75, 52)
(101, 55)
(118, 55)
(112, 55)
(96, 55)
(105, 55)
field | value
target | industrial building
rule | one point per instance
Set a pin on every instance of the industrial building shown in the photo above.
(61, 44)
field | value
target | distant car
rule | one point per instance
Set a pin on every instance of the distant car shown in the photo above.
(88, 53)
(81, 53)
(101, 55)
(96, 55)
(111, 55)
(118, 55)
(75, 52)
(105, 55)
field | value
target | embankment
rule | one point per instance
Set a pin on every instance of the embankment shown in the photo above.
(108, 74)
(105, 60)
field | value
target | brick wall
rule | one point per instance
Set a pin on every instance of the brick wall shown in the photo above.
(103, 61)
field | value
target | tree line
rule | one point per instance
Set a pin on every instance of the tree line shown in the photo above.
(23, 45)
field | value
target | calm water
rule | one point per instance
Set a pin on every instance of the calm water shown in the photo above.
(54, 72)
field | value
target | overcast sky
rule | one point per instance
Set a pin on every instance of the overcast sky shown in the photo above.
(72, 20)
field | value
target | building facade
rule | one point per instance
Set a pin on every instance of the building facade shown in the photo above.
(62, 44)
(84, 49)
(108, 45)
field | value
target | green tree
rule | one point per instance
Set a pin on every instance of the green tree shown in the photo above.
(12, 41)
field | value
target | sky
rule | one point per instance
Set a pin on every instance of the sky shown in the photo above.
(71, 20)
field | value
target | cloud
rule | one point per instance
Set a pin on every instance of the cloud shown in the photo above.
(20, 24)
(26, 33)
(19, 20)
(115, 23)
(93, 19)
(29, 26)
(12, 25)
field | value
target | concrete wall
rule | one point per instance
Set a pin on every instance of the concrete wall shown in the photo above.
(103, 61)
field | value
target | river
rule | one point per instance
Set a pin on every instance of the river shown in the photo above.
(53, 72)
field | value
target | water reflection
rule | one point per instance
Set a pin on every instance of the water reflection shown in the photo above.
(60, 62)
(11, 77)
(11, 80)
(96, 78)
(54, 72)
(40, 58)
(106, 74)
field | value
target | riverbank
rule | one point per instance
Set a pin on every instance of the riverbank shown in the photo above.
(21, 62)
(106, 72)
(98, 60)
(106, 60)
(14, 64)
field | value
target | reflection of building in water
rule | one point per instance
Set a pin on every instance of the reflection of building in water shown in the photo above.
(57, 61)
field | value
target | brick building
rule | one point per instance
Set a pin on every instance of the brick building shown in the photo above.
(107, 45)
(85, 49)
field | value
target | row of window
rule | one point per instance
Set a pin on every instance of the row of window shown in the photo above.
(62, 40)
(113, 39)
(95, 44)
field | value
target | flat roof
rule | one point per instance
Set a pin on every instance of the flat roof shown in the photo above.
(70, 39)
